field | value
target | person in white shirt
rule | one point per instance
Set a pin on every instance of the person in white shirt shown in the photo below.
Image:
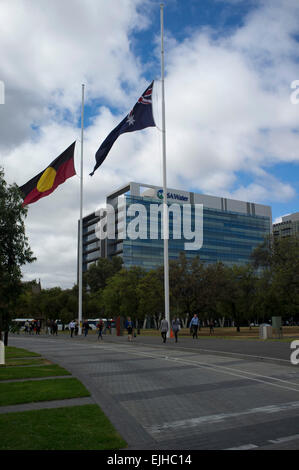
(72, 327)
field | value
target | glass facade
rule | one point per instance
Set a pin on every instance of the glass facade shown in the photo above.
(230, 230)
(229, 237)
(289, 227)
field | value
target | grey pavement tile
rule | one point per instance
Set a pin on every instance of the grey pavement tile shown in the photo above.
(183, 390)
(140, 394)
(150, 370)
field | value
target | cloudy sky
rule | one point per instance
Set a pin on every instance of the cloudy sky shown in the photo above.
(232, 129)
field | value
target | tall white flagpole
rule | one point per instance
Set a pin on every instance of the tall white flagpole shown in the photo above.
(81, 223)
(165, 207)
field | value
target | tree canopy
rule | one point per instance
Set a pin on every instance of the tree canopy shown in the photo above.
(14, 249)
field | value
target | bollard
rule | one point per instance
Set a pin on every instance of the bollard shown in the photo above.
(2, 353)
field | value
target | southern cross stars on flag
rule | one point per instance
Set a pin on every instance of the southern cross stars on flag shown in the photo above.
(139, 118)
(43, 184)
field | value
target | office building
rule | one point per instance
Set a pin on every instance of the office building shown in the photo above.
(288, 227)
(230, 229)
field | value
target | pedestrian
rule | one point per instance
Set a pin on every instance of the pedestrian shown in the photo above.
(27, 326)
(129, 327)
(76, 328)
(164, 329)
(38, 327)
(176, 326)
(100, 327)
(211, 325)
(85, 327)
(194, 325)
(72, 327)
(55, 328)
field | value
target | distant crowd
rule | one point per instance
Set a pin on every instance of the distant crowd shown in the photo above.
(34, 327)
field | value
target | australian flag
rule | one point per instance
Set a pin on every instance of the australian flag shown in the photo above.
(139, 118)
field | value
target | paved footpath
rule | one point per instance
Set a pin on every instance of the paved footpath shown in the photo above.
(196, 394)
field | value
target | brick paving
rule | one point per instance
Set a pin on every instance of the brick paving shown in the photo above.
(204, 394)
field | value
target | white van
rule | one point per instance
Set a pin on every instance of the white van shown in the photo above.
(20, 322)
(93, 323)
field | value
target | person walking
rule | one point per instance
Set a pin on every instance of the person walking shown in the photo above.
(211, 325)
(129, 327)
(100, 327)
(85, 327)
(72, 327)
(38, 327)
(76, 328)
(176, 326)
(55, 328)
(164, 329)
(194, 325)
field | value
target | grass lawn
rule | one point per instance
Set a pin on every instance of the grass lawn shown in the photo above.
(289, 333)
(14, 393)
(12, 352)
(66, 428)
(26, 361)
(14, 372)
(75, 428)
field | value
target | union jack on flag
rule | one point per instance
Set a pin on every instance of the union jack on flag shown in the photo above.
(139, 118)
(146, 98)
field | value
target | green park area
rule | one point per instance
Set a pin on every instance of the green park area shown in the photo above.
(289, 333)
(237, 295)
(229, 296)
(28, 378)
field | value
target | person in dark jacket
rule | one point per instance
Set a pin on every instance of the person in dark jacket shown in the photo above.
(85, 327)
(176, 325)
(129, 327)
(100, 327)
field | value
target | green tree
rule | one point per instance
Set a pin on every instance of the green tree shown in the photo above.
(241, 298)
(98, 274)
(277, 262)
(15, 251)
(120, 296)
(186, 285)
(150, 292)
(217, 293)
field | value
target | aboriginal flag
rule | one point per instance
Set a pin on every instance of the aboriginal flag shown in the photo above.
(140, 117)
(47, 181)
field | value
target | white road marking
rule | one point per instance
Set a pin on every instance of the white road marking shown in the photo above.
(218, 418)
(284, 439)
(216, 368)
(249, 356)
(244, 447)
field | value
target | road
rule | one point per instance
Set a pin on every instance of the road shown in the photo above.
(196, 394)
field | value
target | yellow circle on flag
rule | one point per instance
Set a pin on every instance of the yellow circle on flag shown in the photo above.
(46, 180)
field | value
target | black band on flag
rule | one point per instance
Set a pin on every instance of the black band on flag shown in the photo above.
(47, 180)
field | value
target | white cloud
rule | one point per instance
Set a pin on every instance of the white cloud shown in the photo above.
(50, 48)
(227, 110)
